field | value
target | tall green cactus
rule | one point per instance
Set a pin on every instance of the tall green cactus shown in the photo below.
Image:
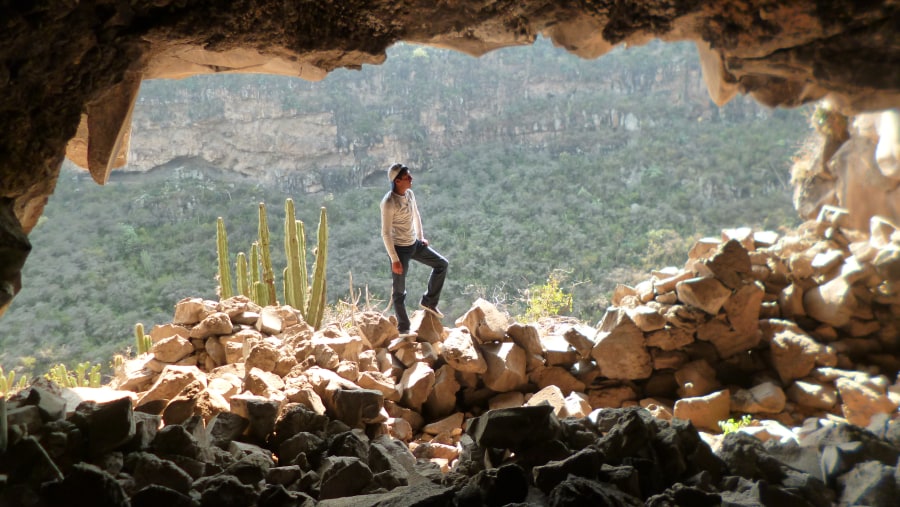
(268, 275)
(225, 290)
(304, 288)
(258, 292)
(243, 278)
(316, 309)
(294, 282)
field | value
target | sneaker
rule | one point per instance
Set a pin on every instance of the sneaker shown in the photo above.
(408, 335)
(432, 310)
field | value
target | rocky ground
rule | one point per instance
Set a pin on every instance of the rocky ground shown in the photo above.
(241, 405)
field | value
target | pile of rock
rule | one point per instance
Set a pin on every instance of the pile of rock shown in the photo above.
(786, 328)
(791, 329)
(805, 325)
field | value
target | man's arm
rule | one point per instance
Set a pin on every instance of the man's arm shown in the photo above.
(387, 219)
(420, 233)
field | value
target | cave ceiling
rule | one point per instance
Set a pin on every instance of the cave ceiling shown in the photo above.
(70, 70)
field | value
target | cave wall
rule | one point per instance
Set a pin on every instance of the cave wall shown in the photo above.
(70, 70)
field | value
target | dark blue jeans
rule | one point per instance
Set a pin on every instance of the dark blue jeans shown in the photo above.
(426, 255)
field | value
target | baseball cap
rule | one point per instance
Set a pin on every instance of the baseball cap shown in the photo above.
(395, 171)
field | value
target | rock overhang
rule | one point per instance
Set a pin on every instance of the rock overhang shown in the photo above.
(70, 71)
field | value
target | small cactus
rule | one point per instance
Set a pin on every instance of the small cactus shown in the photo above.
(144, 343)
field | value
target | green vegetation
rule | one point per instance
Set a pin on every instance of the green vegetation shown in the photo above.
(547, 300)
(84, 375)
(9, 384)
(732, 425)
(524, 166)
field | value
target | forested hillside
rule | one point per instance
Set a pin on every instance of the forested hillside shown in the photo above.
(527, 162)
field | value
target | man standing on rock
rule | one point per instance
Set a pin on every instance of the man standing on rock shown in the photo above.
(401, 231)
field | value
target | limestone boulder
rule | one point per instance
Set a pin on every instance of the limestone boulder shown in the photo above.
(527, 337)
(485, 321)
(577, 405)
(647, 319)
(346, 346)
(557, 351)
(274, 319)
(794, 355)
(581, 338)
(214, 324)
(860, 402)
(742, 309)
(416, 385)
(556, 376)
(812, 394)
(172, 349)
(261, 413)
(669, 339)
(706, 293)
(764, 398)
(171, 382)
(263, 383)
(620, 351)
(442, 399)
(190, 311)
(383, 383)
(730, 263)
(696, 378)
(705, 412)
(612, 395)
(377, 328)
(833, 302)
(505, 366)
(550, 395)
(357, 407)
(427, 326)
(263, 355)
(160, 331)
(461, 353)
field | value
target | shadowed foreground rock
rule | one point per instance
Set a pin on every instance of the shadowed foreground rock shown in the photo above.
(105, 452)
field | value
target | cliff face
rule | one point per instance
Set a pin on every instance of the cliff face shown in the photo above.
(305, 137)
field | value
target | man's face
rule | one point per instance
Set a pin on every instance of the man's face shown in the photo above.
(403, 183)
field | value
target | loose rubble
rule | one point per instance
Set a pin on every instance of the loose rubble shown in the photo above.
(241, 405)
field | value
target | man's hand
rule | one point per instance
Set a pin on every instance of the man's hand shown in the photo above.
(397, 268)
(425, 242)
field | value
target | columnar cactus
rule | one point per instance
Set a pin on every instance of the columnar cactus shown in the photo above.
(258, 292)
(143, 342)
(243, 277)
(268, 275)
(225, 290)
(294, 276)
(316, 309)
